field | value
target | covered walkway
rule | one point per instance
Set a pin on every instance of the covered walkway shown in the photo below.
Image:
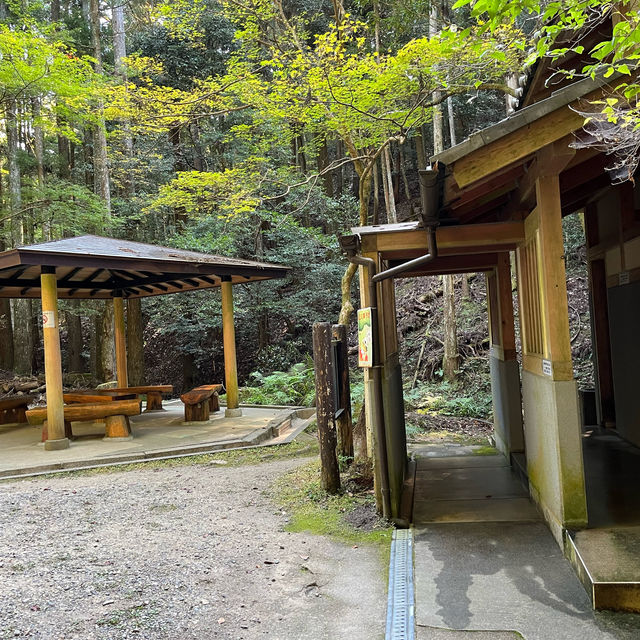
(486, 562)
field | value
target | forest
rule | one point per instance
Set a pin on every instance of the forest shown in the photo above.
(260, 129)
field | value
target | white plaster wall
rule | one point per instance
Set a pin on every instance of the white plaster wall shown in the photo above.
(554, 450)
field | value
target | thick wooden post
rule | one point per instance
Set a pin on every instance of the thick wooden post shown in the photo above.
(344, 420)
(52, 362)
(229, 338)
(325, 407)
(120, 340)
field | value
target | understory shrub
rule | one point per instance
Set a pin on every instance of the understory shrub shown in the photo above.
(293, 387)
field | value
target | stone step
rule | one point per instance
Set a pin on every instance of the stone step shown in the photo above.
(607, 561)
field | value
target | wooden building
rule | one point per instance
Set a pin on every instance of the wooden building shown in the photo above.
(499, 199)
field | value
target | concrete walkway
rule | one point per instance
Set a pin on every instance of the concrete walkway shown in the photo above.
(487, 567)
(155, 435)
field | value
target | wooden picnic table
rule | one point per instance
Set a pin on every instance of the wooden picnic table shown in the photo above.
(83, 397)
(154, 394)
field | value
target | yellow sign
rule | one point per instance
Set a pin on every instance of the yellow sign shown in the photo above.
(365, 338)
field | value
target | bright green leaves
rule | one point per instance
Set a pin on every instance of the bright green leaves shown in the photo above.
(30, 65)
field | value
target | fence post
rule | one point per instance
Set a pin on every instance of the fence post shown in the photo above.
(344, 420)
(330, 473)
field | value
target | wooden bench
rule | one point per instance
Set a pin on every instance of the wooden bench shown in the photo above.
(14, 409)
(153, 392)
(200, 402)
(115, 415)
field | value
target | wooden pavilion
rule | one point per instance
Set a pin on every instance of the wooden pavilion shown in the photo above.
(94, 267)
(497, 196)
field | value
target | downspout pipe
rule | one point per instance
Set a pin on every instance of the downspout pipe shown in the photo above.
(350, 246)
(430, 197)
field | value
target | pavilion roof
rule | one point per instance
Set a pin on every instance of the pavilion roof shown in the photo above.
(97, 267)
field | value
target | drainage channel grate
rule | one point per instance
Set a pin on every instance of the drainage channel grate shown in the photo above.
(401, 603)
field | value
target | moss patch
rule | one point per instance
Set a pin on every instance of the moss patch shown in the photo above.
(485, 451)
(311, 509)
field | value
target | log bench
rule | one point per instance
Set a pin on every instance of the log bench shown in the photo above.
(154, 394)
(115, 414)
(14, 409)
(200, 402)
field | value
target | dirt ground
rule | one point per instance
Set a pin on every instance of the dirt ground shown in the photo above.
(177, 553)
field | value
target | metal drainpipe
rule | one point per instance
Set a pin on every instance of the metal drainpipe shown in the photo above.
(432, 252)
(376, 399)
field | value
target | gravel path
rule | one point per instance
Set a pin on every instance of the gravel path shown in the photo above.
(177, 553)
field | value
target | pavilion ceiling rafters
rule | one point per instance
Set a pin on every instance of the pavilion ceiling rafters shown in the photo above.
(96, 267)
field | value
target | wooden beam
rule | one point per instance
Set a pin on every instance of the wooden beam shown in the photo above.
(553, 278)
(511, 148)
(455, 198)
(474, 236)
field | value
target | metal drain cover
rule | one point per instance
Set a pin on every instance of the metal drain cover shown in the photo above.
(401, 601)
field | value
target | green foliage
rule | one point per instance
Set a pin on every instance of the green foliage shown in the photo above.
(294, 387)
(451, 399)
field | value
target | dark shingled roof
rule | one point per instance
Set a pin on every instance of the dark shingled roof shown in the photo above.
(96, 267)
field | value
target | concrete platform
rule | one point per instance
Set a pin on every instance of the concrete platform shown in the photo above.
(468, 488)
(155, 435)
(486, 566)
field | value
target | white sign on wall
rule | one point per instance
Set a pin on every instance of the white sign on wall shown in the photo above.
(546, 368)
(49, 319)
(623, 278)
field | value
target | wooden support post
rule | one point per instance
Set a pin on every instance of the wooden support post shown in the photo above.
(344, 420)
(553, 278)
(120, 340)
(229, 338)
(330, 473)
(56, 438)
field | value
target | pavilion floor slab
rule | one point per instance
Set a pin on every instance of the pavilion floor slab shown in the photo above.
(155, 435)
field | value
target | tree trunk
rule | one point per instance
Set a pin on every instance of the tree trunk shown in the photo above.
(100, 161)
(119, 54)
(87, 156)
(376, 194)
(330, 474)
(340, 170)
(392, 215)
(360, 436)
(450, 360)
(452, 122)
(420, 153)
(22, 335)
(323, 163)
(135, 342)
(75, 362)
(466, 292)
(105, 356)
(6, 335)
(15, 189)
